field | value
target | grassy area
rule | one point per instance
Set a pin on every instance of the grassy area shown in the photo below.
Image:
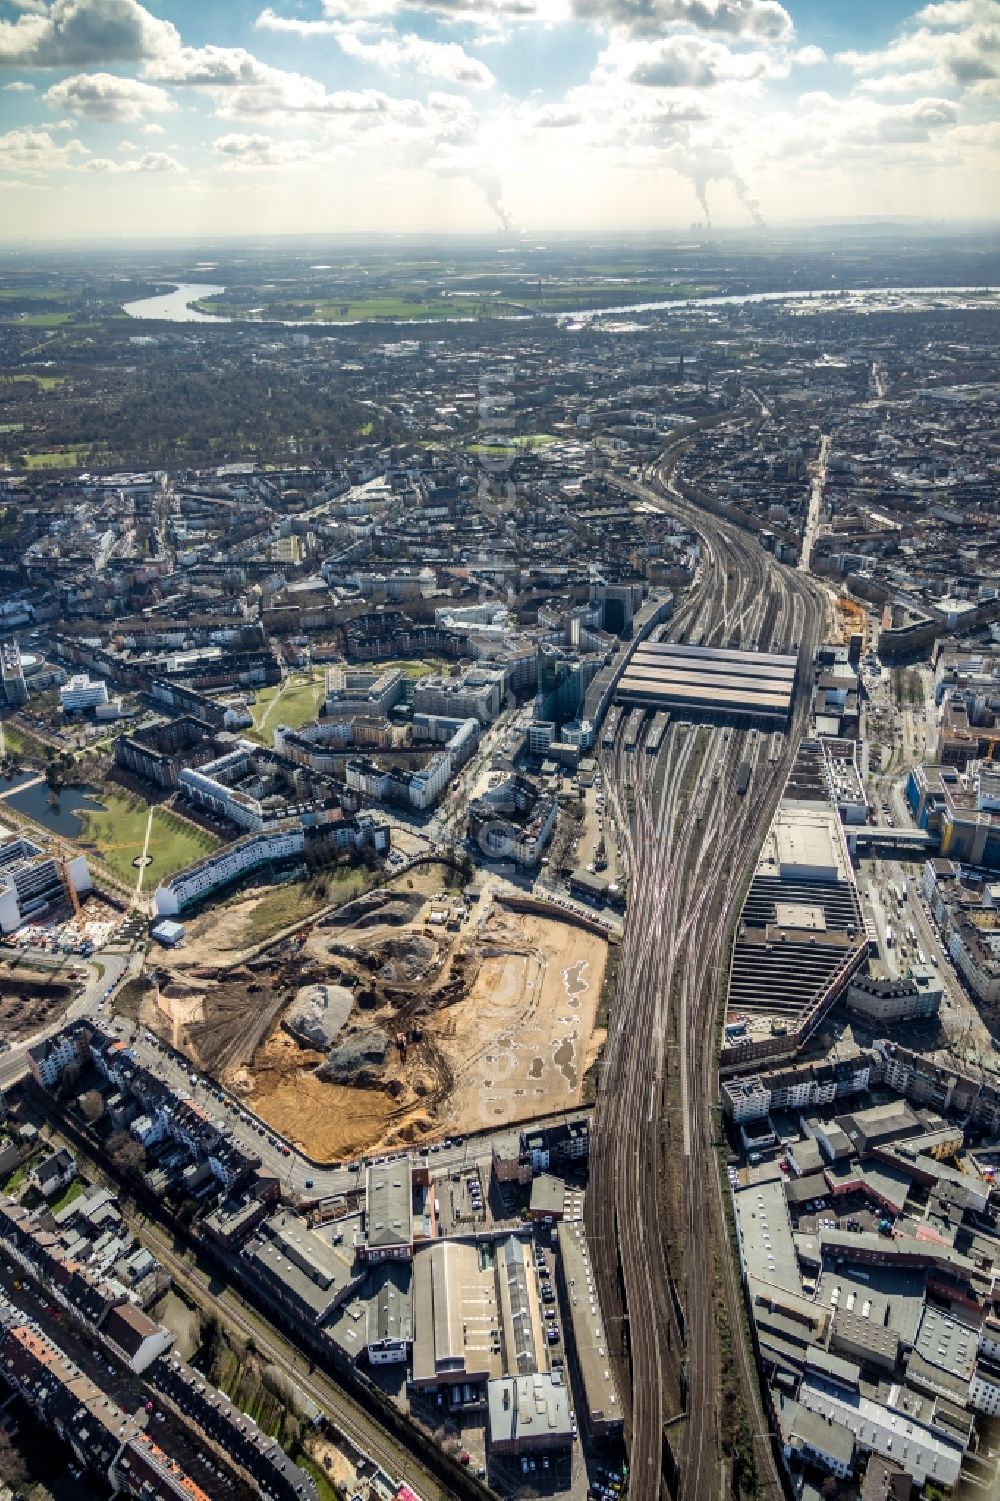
(57, 458)
(285, 904)
(523, 440)
(118, 830)
(44, 382)
(415, 669)
(325, 1489)
(75, 1190)
(19, 1176)
(295, 701)
(22, 743)
(40, 320)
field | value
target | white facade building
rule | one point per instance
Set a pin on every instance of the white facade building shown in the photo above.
(82, 693)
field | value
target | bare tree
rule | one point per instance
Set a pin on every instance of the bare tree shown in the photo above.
(13, 1466)
(92, 1105)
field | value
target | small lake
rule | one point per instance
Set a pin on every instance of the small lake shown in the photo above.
(59, 816)
(6, 783)
(175, 306)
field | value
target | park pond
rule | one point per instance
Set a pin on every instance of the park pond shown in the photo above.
(60, 812)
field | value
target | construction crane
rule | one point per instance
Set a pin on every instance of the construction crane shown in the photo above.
(62, 856)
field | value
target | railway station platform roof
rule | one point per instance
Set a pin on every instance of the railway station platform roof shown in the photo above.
(710, 682)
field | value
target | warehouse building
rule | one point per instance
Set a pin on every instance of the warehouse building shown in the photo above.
(713, 683)
(529, 1414)
(587, 1337)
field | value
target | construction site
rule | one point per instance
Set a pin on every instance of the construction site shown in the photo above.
(32, 998)
(408, 1013)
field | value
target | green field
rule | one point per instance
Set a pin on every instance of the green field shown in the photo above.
(23, 744)
(44, 382)
(414, 669)
(57, 458)
(523, 440)
(295, 701)
(39, 320)
(118, 831)
(362, 310)
(38, 294)
(282, 905)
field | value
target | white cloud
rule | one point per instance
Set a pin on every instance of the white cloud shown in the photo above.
(18, 87)
(32, 150)
(687, 61)
(106, 96)
(955, 44)
(242, 153)
(809, 57)
(244, 87)
(557, 117)
(153, 161)
(761, 20)
(152, 129)
(74, 33)
(444, 60)
(486, 12)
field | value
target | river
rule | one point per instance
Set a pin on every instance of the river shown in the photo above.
(175, 306)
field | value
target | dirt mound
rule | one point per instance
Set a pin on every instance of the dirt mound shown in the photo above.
(317, 1015)
(376, 908)
(358, 1061)
(405, 959)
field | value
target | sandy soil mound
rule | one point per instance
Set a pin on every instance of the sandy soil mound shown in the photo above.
(357, 1061)
(317, 1015)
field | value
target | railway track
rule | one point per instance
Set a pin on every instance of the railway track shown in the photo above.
(688, 840)
(344, 1413)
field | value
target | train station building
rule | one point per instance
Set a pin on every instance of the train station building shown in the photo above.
(711, 683)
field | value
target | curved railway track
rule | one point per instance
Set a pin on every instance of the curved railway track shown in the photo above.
(656, 1193)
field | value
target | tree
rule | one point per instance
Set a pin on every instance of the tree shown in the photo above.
(68, 1081)
(92, 1105)
(13, 1466)
(127, 1155)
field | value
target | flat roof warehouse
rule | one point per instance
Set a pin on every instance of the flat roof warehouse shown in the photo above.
(711, 682)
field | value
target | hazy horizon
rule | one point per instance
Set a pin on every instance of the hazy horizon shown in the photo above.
(459, 116)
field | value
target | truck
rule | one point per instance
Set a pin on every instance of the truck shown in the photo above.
(888, 937)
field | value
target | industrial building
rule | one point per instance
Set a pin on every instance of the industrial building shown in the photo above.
(801, 935)
(529, 1414)
(707, 682)
(476, 1314)
(586, 1336)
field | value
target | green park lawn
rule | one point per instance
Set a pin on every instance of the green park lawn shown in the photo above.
(523, 440)
(40, 320)
(44, 382)
(57, 458)
(118, 830)
(415, 669)
(293, 702)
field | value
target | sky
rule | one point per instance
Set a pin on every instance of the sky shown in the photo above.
(209, 117)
